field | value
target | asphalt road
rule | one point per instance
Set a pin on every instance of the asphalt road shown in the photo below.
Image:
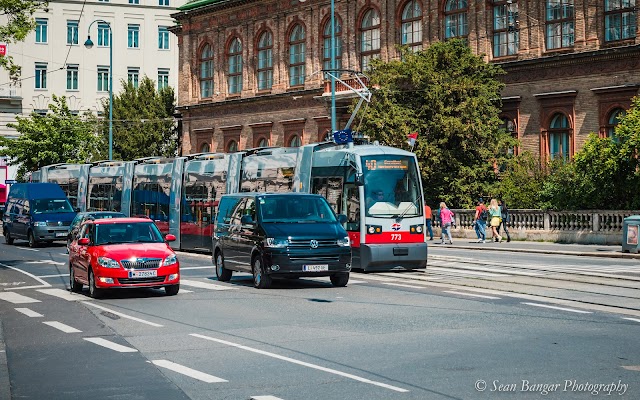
(475, 324)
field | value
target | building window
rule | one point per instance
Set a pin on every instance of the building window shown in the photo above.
(412, 25)
(295, 141)
(42, 29)
(559, 137)
(326, 44)
(163, 78)
(134, 1)
(232, 146)
(72, 77)
(103, 79)
(103, 35)
(72, 32)
(163, 38)
(619, 19)
(263, 142)
(369, 38)
(265, 61)
(506, 37)
(296, 56)
(41, 76)
(455, 19)
(133, 36)
(613, 121)
(560, 22)
(204, 148)
(163, 3)
(509, 126)
(235, 67)
(133, 75)
(206, 72)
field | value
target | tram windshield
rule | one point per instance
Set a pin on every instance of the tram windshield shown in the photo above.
(391, 185)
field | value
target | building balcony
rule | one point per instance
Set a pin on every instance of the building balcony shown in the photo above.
(7, 92)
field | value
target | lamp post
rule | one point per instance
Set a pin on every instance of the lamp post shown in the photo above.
(333, 68)
(89, 44)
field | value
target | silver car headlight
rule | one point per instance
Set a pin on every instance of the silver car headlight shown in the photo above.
(170, 260)
(277, 243)
(344, 242)
(40, 223)
(106, 262)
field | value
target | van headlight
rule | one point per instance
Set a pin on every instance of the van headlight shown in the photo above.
(172, 259)
(344, 242)
(106, 262)
(277, 243)
(40, 223)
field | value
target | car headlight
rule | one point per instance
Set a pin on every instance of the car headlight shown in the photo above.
(106, 262)
(277, 243)
(40, 223)
(344, 242)
(172, 259)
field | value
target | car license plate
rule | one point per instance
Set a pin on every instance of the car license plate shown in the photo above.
(143, 274)
(315, 267)
(61, 234)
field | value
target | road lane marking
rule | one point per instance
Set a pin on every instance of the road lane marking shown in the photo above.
(181, 369)
(122, 315)
(46, 262)
(62, 327)
(460, 272)
(25, 248)
(265, 398)
(472, 295)
(403, 285)
(42, 283)
(110, 345)
(304, 364)
(52, 276)
(632, 319)
(16, 298)
(29, 313)
(557, 308)
(63, 294)
(204, 285)
(186, 268)
(185, 291)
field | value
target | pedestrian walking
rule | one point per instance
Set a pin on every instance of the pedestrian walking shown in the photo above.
(495, 219)
(446, 217)
(428, 215)
(480, 221)
(505, 219)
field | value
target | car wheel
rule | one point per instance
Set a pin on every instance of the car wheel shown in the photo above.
(340, 280)
(32, 240)
(7, 237)
(74, 285)
(222, 273)
(94, 292)
(260, 280)
(172, 290)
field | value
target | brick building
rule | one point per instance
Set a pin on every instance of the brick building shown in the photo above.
(250, 71)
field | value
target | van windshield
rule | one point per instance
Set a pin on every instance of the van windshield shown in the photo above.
(41, 206)
(294, 209)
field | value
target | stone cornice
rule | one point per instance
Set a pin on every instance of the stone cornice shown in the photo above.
(233, 102)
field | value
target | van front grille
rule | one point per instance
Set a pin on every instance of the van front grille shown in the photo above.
(306, 244)
(58, 223)
(315, 258)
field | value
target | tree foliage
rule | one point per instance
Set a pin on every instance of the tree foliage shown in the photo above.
(451, 97)
(19, 22)
(143, 121)
(57, 137)
(521, 181)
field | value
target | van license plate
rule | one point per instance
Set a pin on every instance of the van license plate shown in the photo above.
(315, 267)
(143, 274)
(61, 234)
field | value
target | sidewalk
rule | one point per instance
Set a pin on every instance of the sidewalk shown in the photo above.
(590, 250)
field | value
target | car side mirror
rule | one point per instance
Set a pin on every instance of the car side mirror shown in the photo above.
(359, 179)
(84, 241)
(170, 238)
(246, 220)
(342, 218)
(77, 209)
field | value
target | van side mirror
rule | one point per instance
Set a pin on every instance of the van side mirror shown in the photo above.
(77, 209)
(359, 179)
(246, 220)
(342, 218)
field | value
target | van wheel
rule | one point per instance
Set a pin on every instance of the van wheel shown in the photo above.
(340, 280)
(32, 240)
(7, 237)
(222, 273)
(172, 290)
(94, 292)
(74, 285)
(260, 280)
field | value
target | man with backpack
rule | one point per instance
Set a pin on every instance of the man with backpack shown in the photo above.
(505, 218)
(480, 221)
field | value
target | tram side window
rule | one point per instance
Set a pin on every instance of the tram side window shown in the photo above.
(353, 208)
(70, 188)
(105, 197)
(151, 201)
(331, 189)
(278, 179)
(197, 198)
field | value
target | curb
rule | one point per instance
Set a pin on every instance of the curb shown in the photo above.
(561, 252)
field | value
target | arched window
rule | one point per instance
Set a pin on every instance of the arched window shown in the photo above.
(506, 37)
(619, 20)
(204, 148)
(265, 61)
(232, 146)
(412, 25)
(369, 38)
(326, 44)
(295, 141)
(234, 77)
(455, 19)
(560, 21)
(296, 56)
(613, 121)
(263, 142)
(206, 72)
(559, 137)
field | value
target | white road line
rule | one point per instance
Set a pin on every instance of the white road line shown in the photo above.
(207, 267)
(629, 319)
(16, 298)
(557, 308)
(110, 345)
(403, 285)
(304, 364)
(122, 315)
(46, 262)
(265, 398)
(63, 294)
(185, 291)
(472, 295)
(181, 369)
(25, 248)
(62, 327)
(52, 276)
(204, 285)
(459, 272)
(42, 283)
(464, 268)
(29, 313)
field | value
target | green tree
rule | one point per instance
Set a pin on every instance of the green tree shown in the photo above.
(451, 97)
(18, 23)
(56, 137)
(521, 181)
(143, 121)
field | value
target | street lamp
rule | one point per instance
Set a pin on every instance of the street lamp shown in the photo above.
(89, 44)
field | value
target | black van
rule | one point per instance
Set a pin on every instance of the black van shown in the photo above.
(37, 212)
(280, 235)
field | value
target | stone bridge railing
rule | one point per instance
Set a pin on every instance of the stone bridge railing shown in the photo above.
(588, 227)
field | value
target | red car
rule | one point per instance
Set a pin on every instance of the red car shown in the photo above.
(122, 253)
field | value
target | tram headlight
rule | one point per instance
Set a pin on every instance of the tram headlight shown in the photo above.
(277, 243)
(416, 229)
(373, 229)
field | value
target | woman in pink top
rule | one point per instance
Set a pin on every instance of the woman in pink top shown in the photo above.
(446, 217)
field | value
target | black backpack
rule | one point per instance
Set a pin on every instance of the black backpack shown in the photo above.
(484, 214)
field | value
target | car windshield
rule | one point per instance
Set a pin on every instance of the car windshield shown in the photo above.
(296, 209)
(128, 232)
(41, 206)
